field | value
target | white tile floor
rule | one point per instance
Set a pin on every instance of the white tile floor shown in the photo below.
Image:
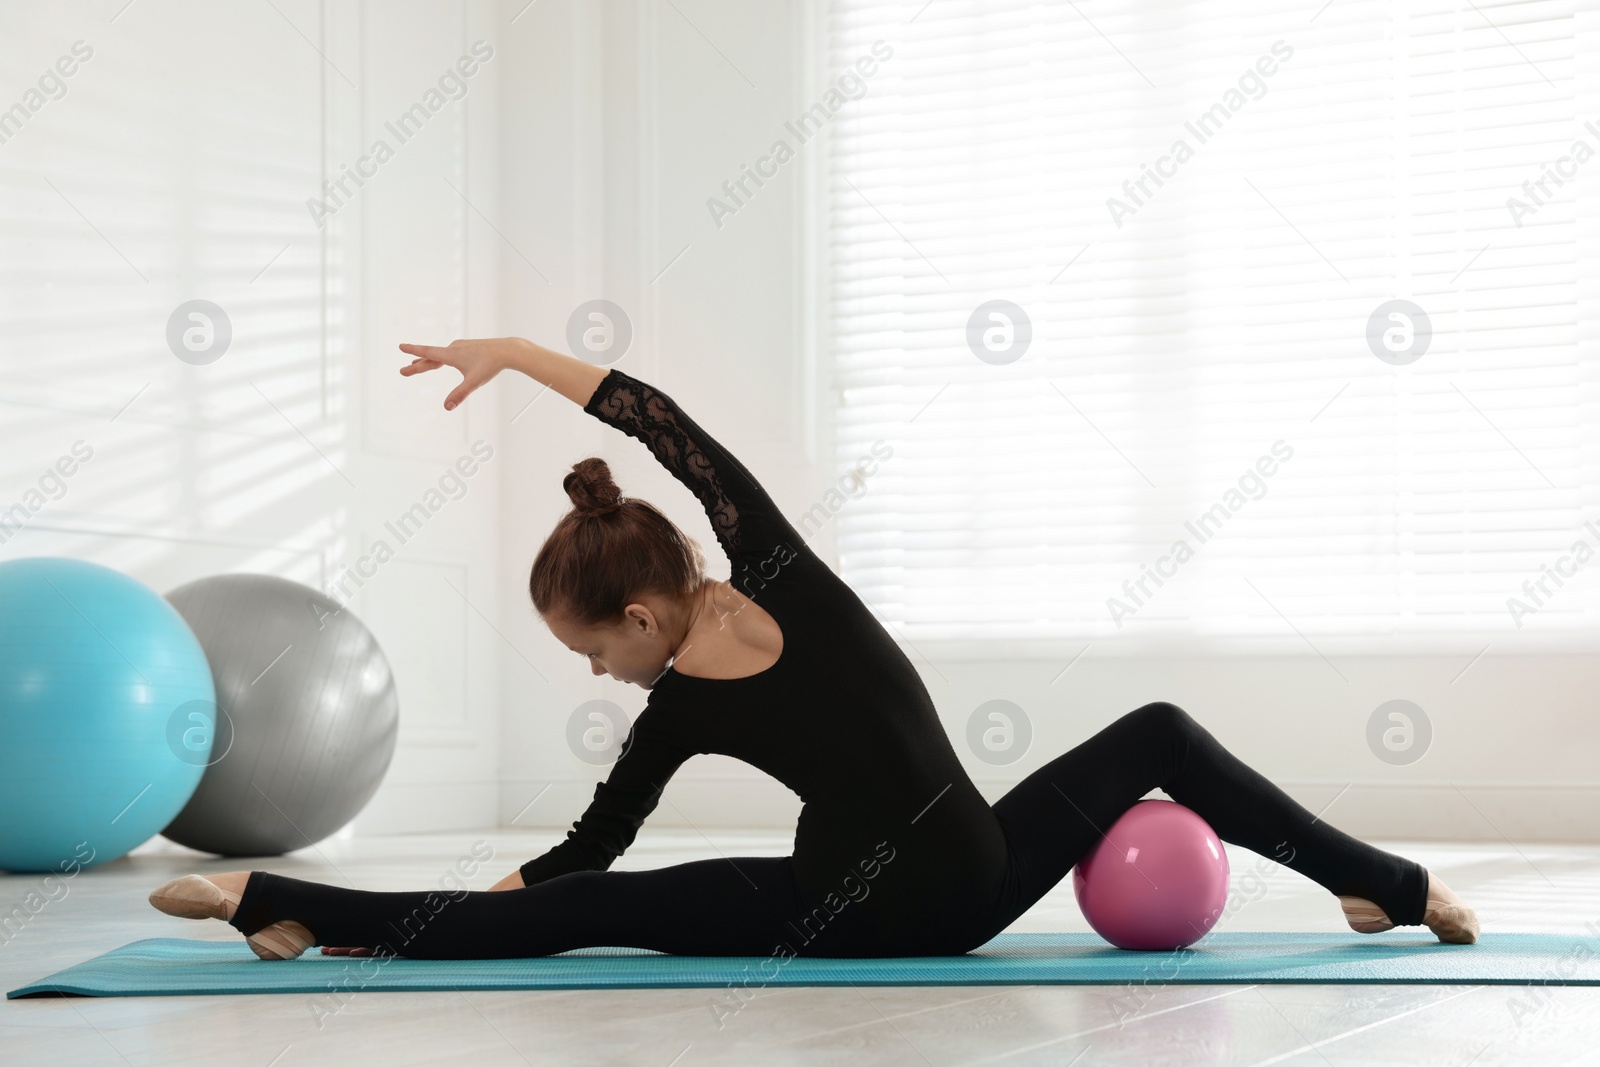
(1528, 887)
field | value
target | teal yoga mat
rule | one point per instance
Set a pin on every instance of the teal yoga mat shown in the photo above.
(168, 966)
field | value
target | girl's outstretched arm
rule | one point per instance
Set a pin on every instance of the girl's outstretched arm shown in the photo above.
(480, 359)
(752, 531)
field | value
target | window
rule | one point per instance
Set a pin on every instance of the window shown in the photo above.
(1202, 211)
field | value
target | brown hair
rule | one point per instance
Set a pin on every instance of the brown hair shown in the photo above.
(608, 551)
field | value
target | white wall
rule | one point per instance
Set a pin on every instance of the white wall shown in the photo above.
(577, 166)
(178, 165)
(619, 123)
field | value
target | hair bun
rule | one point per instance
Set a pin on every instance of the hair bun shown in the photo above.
(591, 488)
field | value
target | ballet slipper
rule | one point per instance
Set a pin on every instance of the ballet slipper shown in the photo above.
(1455, 923)
(194, 897)
(1364, 916)
(1450, 921)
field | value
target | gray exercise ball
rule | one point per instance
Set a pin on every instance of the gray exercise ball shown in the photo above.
(305, 722)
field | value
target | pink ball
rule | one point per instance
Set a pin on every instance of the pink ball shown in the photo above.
(1157, 880)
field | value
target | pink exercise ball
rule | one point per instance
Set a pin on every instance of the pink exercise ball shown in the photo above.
(1157, 880)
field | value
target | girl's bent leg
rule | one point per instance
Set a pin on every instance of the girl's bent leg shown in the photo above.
(732, 907)
(1056, 815)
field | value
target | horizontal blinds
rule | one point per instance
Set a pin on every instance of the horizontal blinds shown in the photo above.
(1215, 327)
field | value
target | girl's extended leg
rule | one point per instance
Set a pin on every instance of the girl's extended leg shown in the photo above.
(722, 907)
(1052, 818)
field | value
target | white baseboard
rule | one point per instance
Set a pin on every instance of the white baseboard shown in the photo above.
(427, 807)
(687, 802)
(1425, 812)
(1463, 811)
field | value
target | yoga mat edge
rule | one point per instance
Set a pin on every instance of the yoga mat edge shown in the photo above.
(182, 967)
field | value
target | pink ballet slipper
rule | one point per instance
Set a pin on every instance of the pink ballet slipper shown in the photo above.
(194, 897)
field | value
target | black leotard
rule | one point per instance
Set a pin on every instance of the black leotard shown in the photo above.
(842, 718)
(895, 851)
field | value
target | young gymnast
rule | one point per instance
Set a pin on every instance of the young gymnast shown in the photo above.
(896, 853)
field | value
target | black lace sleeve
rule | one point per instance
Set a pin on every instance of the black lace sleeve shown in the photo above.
(752, 531)
(621, 804)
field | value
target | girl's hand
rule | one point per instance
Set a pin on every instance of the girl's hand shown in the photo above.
(327, 951)
(510, 881)
(478, 360)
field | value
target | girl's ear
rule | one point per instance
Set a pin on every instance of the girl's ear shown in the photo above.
(637, 618)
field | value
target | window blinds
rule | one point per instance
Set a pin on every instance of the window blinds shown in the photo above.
(1199, 208)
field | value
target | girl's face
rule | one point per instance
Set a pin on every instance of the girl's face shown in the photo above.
(635, 650)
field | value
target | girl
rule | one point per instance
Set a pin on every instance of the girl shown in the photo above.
(895, 853)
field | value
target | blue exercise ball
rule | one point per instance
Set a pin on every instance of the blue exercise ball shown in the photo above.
(98, 678)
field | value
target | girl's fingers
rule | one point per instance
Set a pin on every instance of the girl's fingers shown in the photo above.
(327, 951)
(459, 393)
(463, 355)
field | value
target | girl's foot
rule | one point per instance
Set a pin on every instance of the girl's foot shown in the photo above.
(1447, 915)
(194, 897)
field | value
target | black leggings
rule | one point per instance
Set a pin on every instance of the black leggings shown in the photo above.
(746, 906)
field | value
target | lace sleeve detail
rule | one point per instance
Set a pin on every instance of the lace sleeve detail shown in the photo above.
(744, 518)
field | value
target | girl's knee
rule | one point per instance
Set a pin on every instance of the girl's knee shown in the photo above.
(1166, 716)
